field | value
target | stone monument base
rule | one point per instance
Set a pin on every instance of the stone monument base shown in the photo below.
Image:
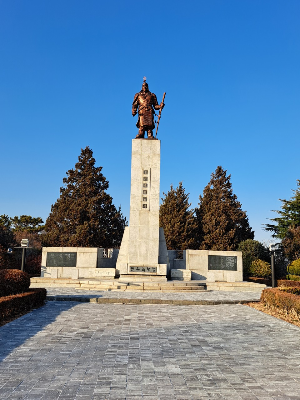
(142, 278)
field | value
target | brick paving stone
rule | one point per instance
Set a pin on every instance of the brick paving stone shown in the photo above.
(83, 351)
(214, 295)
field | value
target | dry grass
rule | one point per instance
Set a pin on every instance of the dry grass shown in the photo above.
(292, 318)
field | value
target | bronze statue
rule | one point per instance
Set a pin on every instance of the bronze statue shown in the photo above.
(145, 103)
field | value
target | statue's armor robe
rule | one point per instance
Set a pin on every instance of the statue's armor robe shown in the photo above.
(145, 103)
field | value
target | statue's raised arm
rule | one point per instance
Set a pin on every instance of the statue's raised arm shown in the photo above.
(145, 103)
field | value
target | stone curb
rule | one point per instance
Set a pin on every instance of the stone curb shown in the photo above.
(106, 300)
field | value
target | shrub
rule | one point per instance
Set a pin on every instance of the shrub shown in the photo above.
(260, 269)
(33, 263)
(13, 281)
(294, 267)
(17, 304)
(287, 302)
(285, 283)
(293, 277)
(252, 250)
(263, 281)
(293, 290)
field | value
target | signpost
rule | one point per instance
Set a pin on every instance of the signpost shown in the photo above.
(272, 250)
(24, 246)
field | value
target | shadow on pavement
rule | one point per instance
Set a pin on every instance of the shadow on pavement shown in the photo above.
(15, 333)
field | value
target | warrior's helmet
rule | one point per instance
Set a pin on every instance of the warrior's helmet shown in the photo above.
(145, 86)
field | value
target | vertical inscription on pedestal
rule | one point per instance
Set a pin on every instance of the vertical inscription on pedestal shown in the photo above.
(145, 189)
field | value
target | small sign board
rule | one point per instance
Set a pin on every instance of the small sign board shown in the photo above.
(59, 259)
(149, 270)
(25, 243)
(222, 263)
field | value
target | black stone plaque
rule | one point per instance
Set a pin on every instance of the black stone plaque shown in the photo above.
(55, 259)
(151, 270)
(222, 263)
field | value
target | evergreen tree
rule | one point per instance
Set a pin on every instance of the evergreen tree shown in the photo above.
(291, 244)
(84, 215)
(252, 250)
(177, 219)
(27, 223)
(289, 216)
(222, 224)
(7, 239)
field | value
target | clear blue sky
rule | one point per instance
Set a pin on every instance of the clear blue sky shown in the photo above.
(69, 70)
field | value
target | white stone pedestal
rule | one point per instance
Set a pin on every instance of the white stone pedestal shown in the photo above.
(143, 250)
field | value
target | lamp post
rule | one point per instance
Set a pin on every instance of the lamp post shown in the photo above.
(272, 250)
(24, 246)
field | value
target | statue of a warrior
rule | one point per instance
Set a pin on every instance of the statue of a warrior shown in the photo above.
(145, 103)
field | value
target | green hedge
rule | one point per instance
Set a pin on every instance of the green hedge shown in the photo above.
(21, 303)
(277, 298)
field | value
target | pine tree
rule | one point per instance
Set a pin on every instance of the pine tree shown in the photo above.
(291, 244)
(222, 224)
(27, 223)
(7, 239)
(289, 216)
(84, 215)
(177, 219)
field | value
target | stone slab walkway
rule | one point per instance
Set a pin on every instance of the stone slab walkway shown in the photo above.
(85, 351)
(212, 297)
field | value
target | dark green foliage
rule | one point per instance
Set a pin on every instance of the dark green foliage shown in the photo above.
(27, 223)
(177, 219)
(221, 221)
(294, 268)
(84, 215)
(12, 230)
(13, 281)
(291, 243)
(252, 250)
(18, 304)
(33, 262)
(289, 216)
(7, 240)
(7, 237)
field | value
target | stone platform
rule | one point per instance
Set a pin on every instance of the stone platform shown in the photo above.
(188, 297)
(137, 284)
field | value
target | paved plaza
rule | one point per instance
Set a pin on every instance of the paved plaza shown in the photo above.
(205, 296)
(71, 350)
